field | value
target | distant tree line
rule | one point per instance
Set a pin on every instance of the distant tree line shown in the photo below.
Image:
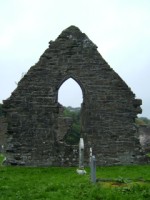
(142, 121)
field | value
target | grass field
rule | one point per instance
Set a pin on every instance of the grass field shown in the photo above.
(117, 183)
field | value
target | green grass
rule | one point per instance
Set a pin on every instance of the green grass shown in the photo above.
(121, 183)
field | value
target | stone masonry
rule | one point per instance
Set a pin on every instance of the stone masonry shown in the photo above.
(108, 110)
(144, 135)
(3, 130)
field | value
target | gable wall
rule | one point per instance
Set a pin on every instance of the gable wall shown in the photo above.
(108, 110)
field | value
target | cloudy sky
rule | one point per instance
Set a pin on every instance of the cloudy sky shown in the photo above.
(120, 29)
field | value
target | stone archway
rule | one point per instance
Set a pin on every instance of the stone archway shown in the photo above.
(108, 111)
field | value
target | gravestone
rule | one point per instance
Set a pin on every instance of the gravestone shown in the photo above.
(108, 110)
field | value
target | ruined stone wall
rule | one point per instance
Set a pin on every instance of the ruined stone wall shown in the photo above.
(3, 130)
(108, 110)
(144, 135)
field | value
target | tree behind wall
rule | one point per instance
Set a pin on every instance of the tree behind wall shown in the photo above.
(74, 135)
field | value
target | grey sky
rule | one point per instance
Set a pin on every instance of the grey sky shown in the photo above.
(120, 29)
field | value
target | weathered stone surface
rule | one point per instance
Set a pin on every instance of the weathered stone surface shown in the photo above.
(108, 111)
(64, 126)
(3, 130)
(144, 135)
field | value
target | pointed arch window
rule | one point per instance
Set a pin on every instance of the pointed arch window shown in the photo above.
(70, 94)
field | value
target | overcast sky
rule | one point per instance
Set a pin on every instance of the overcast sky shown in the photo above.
(120, 29)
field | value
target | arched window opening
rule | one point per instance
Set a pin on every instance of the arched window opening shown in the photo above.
(70, 96)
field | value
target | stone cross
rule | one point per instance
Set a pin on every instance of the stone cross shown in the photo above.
(81, 153)
(90, 155)
(81, 157)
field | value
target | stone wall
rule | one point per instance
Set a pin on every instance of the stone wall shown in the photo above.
(64, 125)
(108, 111)
(144, 135)
(3, 130)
